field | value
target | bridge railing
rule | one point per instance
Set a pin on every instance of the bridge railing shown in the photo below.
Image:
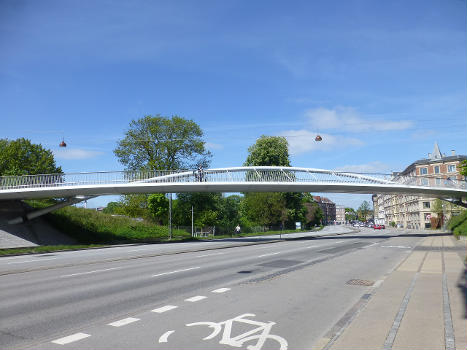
(224, 175)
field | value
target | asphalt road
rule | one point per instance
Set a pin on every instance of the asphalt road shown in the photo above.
(257, 293)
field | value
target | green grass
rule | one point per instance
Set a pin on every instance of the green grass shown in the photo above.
(92, 227)
(458, 224)
(95, 229)
(44, 249)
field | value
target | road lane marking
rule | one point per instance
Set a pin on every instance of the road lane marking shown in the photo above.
(220, 290)
(71, 338)
(23, 262)
(196, 298)
(269, 254)
(164, 308)
(171, 272)
(123, 322)
(90, 272)
(370, 245)
(396, 246)
(163, 338)
(202, 256)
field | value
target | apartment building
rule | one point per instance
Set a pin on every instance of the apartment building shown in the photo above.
(416, 212)
(329, 209)
(340, 215)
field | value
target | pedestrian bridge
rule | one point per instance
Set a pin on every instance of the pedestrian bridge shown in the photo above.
(236, 179)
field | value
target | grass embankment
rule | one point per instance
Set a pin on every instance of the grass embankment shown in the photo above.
(458, 224)
(95, 229)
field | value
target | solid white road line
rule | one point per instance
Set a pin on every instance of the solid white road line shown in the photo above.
(196, 298)
(202, 256)
(26, 261)
(71, 338)
(90, 272)
(220, 290)
(123, 322)
(164, 308)
(269, 254)
(171, 272)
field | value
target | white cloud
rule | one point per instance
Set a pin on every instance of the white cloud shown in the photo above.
(302, 141)
(347, 119)
(75, 153)
(372, 167)
(213, 146)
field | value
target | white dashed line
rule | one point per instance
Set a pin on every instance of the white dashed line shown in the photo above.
(123, 322)
(269, 254)
(171, 272)
(90, 272)
(202, 256)
(164, 309)
(368, 246)
(71, 338)
(396, 246)
(196, 298)
(220, 290)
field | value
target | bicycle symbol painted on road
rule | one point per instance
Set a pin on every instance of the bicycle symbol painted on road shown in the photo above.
(261, 332)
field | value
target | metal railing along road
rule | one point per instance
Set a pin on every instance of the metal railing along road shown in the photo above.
(224, 175)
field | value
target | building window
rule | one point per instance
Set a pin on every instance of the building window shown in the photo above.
(423, 171)
(436, 169)
(426, 205)
(438, 181)
(427, 225)
(427, 216)
(451, 168)
(424, 182)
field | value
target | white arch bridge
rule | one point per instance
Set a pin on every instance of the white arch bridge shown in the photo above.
(79, 186)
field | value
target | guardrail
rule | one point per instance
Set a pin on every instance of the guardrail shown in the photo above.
(223, 175)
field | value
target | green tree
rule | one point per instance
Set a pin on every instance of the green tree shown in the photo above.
(268, 151)
(350, 214)
(364, 211)
(22, 157)
(162, 143)
(265, 208)
(114, 208)
(463, 168)
(135, 205)
(229, 212)
(314, 214)
(271, 208)
(200, 201)
(158, 206)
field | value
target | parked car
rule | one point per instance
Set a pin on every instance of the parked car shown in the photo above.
(377, 227)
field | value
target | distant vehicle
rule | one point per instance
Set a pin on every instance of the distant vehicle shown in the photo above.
(383, 227)
(377, 227)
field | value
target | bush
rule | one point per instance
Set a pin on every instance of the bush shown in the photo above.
(458, 224)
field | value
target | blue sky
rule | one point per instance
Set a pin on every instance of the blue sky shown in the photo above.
(381, 81)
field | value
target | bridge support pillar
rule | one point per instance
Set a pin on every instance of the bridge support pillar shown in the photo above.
(36, 213)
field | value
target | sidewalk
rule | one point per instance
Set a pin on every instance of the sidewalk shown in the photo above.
(420, 305)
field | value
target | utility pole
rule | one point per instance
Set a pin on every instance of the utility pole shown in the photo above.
(192, 232)
(170, 216)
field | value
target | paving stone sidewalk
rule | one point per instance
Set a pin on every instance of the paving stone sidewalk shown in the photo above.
(420, 305)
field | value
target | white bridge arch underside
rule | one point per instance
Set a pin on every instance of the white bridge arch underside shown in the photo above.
(239, 179)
